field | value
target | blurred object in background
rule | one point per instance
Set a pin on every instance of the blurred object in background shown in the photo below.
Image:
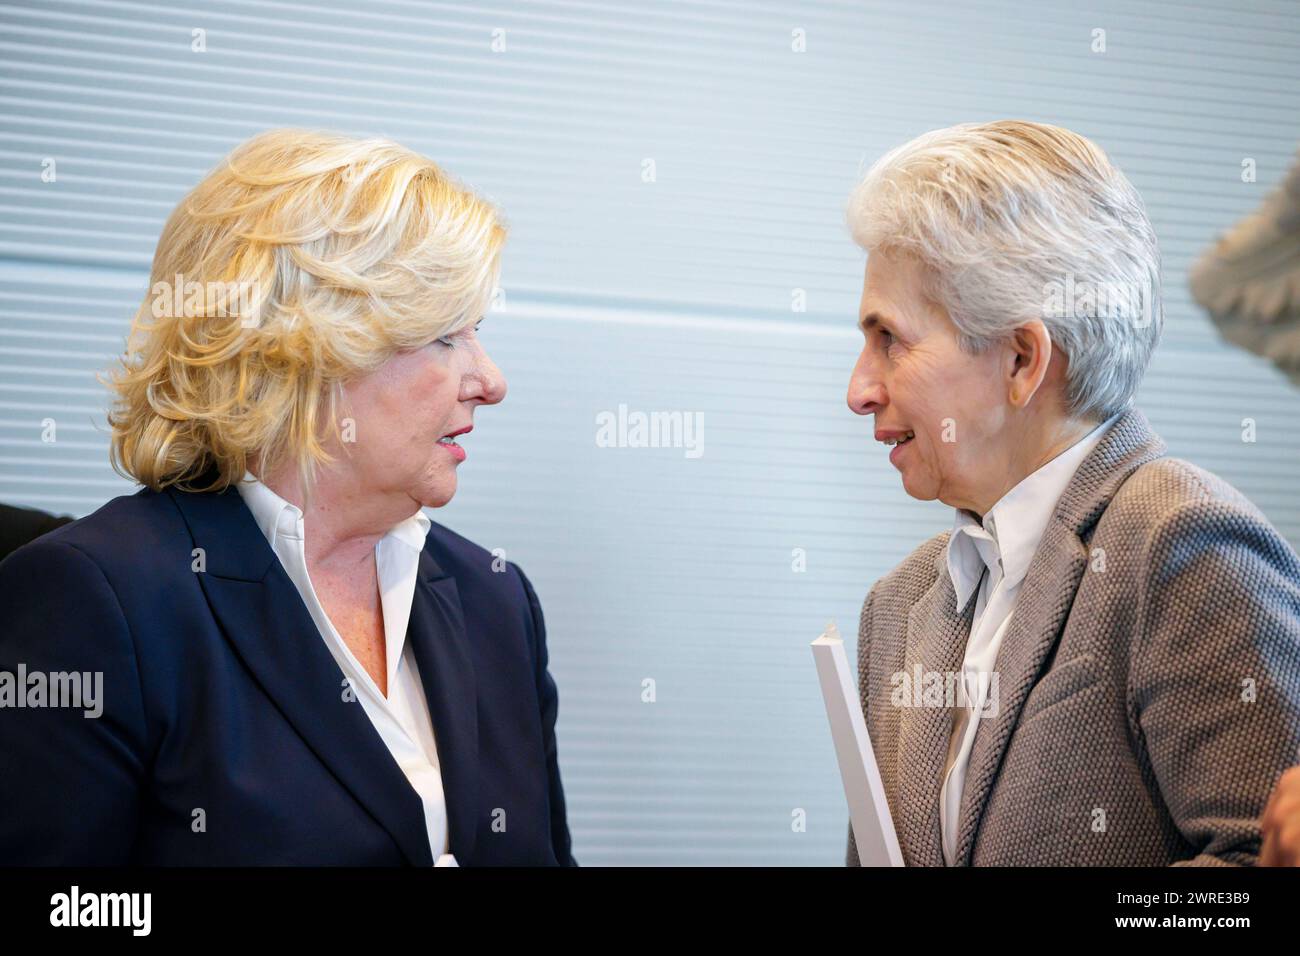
(1250, 280)
(20, 525)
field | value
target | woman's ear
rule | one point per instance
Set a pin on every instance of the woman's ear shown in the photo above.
(1031, 352)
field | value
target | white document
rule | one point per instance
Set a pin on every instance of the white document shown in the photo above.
(873, 828)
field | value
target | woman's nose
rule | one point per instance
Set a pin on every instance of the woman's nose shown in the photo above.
(866, 391)
(492, 383)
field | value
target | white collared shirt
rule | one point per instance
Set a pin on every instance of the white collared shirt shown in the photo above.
(402, 718)
(990, 560)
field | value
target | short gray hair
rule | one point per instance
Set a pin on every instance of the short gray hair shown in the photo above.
(1019, 221)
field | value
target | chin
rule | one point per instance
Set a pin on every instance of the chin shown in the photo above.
(924, 493)
(436, 499)
(435, 494)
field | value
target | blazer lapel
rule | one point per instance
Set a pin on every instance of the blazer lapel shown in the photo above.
(1044, 603)
(936, 640)
(264, 618)
(442, 651)
(1041, 610)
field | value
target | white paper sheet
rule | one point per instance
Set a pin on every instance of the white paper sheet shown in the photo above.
(873, 828)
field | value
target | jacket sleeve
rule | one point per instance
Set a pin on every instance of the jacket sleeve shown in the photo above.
(1215, 685)
(70, 775)
(548, 696)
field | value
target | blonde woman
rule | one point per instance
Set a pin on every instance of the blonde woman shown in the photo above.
(295, 665)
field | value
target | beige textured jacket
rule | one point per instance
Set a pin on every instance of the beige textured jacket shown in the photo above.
(1148, 684)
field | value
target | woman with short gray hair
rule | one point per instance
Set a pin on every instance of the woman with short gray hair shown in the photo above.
(1085, 633)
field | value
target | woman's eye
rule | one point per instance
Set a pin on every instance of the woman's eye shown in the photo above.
(886, 337)
(450, 340)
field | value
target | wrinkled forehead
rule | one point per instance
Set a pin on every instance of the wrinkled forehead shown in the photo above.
(897, 288)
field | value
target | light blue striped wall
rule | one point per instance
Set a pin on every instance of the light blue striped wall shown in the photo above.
(666, 296)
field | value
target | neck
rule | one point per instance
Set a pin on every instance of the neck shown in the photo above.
(1029, 446)
(342, 521)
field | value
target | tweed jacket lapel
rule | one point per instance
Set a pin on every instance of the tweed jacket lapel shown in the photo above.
(1044, 604)
(936, 642)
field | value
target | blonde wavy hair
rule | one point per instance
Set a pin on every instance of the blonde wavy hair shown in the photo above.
(304, 260)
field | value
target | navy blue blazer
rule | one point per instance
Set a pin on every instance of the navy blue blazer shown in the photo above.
(226, 737)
